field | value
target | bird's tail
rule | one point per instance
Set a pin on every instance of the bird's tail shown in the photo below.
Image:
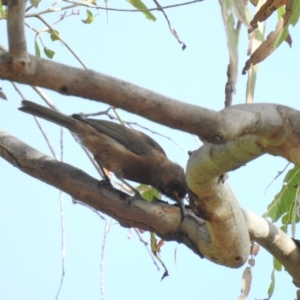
(49, 115)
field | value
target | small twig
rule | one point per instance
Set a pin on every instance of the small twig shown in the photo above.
(279, 173)
(56, 2)
(65, 44)
(99, 113)
(18, 90)
(100, 215)
(146, 128)
(146, 245)
(63, 249)
(173, 31)
(45, 137)
(50, 10)
(49, 102)
(132, 10)
(37, 122)
(41, 93)
(106, 112)
(62, 220)
(229, 88)
(106, 230)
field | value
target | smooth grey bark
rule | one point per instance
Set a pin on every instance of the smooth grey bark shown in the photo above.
(232, 137)
(159, 217)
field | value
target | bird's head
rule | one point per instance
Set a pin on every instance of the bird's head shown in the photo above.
(171, 181)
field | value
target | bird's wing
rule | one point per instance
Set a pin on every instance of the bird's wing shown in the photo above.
(134, 140)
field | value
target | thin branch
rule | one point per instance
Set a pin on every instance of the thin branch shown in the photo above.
(63, 247)
(18, 90)
(65, 44)
(50, 10)
(132, 10)
(146, 128)
(129, 123)
(229, 88)
(279, 174)
(41, 93)
(160, 218)
(44, 96)
(147, 248)
(106, 230)
(46, 138)
(173, 31)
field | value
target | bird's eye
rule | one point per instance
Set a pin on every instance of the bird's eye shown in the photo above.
(175, 185)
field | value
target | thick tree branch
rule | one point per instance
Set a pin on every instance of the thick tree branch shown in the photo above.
(15, 27)
(158, 217)
(231, 138)
(276, 131)
(69, 81)
(163, 219)
(256, 120)
(18, 57)
(278, 243)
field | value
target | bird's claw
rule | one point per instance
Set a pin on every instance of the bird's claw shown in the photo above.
(104, 182)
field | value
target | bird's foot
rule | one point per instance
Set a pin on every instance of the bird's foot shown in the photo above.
(104, 182)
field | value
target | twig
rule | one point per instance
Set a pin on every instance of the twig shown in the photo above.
(132, 10)
(63, 249)
(106, 230)
(146, 246)
(279, 173)
(173, 31)
(65, 44)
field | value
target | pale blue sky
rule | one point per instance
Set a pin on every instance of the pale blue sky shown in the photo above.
(132, 48)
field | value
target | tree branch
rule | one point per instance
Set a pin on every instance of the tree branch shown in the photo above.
(157, 217)
(17, 59)
(231, 138)
(15, 28)
(241, 133)
(278, 243)
(269, 126)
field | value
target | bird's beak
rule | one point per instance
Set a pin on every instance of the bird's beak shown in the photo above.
(181, 205)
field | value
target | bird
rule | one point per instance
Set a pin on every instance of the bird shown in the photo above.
(128, 153)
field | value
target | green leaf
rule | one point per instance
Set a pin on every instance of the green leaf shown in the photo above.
(35, 3)
(241, 11)
(140, 5)
(292, 19)
(284, 201)
(277, 265)
(291, 217)
(295, 12)
(2, 11)
(49, 53)
(148, 192)
(258, 38)
(155, 249)
(37, 49)
(89, 19)
(232, 37)
(272, 285)
(54, 35)
(153, 242)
